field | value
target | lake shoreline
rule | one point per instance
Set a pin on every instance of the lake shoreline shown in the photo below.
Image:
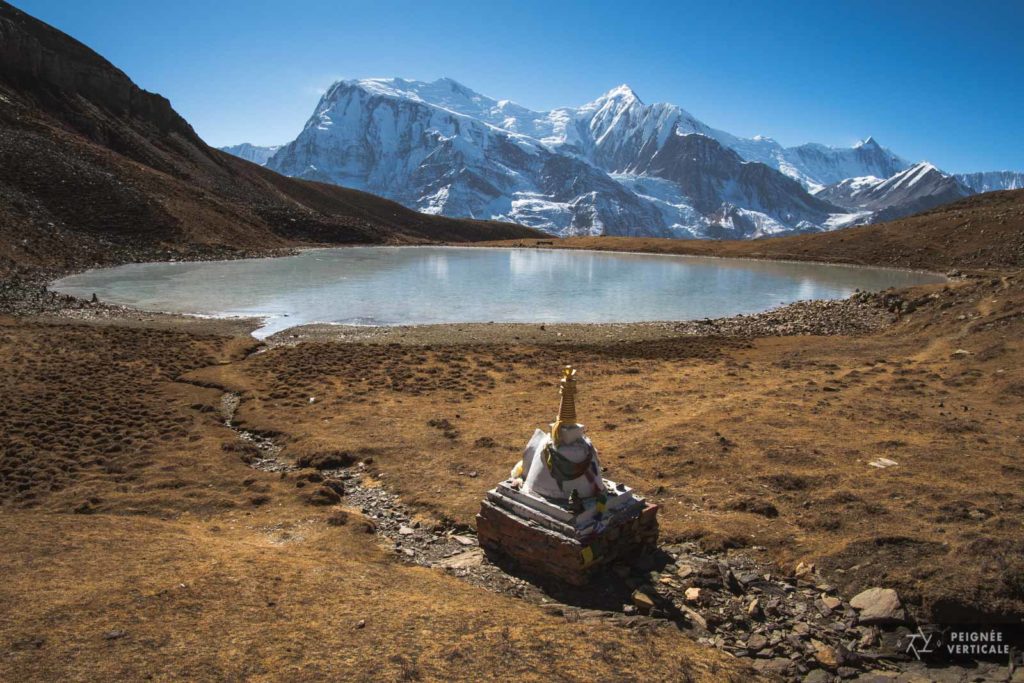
(859, 314)
(567, 244)
(346, 292)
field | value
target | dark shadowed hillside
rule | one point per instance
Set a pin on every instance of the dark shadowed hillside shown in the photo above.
(94, 170)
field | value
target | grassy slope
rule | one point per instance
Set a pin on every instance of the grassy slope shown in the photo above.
(127, 511)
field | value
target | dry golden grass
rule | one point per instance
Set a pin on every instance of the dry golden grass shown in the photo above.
(276, 594)
(170, 558)
(765, 445)
(135, 542)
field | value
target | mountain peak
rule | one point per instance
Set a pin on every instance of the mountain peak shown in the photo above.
(454, 86)
(922, 171)
(923, 167)
(869, 142)
(622, 92)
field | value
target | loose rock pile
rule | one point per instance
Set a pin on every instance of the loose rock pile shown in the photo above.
(23, 297)
(859, 314)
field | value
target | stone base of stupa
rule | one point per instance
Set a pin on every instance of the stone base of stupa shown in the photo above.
(546, 537)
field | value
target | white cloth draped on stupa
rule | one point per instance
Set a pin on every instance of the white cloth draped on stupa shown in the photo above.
(555, 470)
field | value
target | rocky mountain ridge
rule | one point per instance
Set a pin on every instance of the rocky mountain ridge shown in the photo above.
(918, 188)
(613, 166)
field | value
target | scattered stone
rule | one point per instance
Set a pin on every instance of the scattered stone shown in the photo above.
(406, 531)
(879, 606)
(643, 601)
(804, 569)
(695, 617)
(730, 580)
(869, 639)
(684, 571)
(114, 635)
(361, 623)
(831, 601)
(779, 666)
(693, 594)
(464, 540)
(817, 676)
(826, 655)
(754, 610)
(747, 578)
(757, 642)
(882, 463)
(861, 313)
(464, 560)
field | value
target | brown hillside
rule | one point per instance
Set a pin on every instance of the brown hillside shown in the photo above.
(94, 169)
(984, 232)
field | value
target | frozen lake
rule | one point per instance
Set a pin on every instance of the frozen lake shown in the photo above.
(424, 285)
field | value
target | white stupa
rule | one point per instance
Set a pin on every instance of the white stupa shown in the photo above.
(555, 513)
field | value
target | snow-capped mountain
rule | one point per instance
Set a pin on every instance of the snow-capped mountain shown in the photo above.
(442, 148)
(613, 166)
(990, 181)
(387, 139)
(616, 127)
(254, 153)
(816, 165)
(918, 188)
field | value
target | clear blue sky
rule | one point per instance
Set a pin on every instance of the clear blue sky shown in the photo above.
(942, 81)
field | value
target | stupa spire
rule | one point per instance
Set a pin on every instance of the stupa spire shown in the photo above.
(567, 404)
(567, 407)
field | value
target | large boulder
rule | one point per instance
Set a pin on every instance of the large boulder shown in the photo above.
(879, 606)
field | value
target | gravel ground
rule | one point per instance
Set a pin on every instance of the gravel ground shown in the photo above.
(862, 313)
